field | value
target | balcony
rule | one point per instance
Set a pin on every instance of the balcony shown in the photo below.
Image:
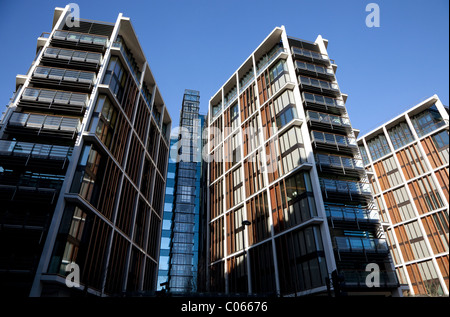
(43, 125)
(340, 165)
(345, 216)
(45, 156)
(54, 100)
(328, 122)
(323, 103)
(65, 78)
(310, 56)
(128, 57)
(334, 142)
(339, 190)
(30, 187)
(71, 58)
(314, 70)
(84, 41)
(318, 86)
(360, 246)
(272, 56)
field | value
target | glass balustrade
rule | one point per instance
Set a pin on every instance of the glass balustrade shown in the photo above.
(317, 83)
(356, 244)
(34, 150)
(64, 74)
(344, 187)
(81, 38)
(314, 68)
(73, 55)
(39, 121)
(311, 54)
(328, 119)
(55, 96)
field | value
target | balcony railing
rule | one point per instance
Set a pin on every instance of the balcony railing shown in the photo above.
(34, 150)
(132, 66)
(336, 140)
(340, 162)
(55, 96)
(83, 38)
(330, 120)
(355, 214)
(62, 74)
(317, 84)
(246, 82)
(315, 56)
(230, 97)
(335, 105)
(73, 55)
(39, 121)
(347, 188)
(357, 244)
(36, 180)
(311, 68)
(266, 60)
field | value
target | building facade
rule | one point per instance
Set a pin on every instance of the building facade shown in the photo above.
(83, 158)
(179, 255)
(407, 159)
(289, 204)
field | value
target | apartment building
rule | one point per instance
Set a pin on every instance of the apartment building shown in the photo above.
(290, 210)
(83, 158)
(407, 160)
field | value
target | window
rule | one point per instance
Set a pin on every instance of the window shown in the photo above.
(400, 135)
(378, 147)
(441, 140)
(427, 121)
(292, 201)
(399, 206)
(292, 149)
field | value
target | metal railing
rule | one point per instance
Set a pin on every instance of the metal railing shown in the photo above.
(323, 100)
(35, 150)
(266, 60)
(357, 244)
(73, 55)
(339, 161)
(77, 37)
(64, 74)
(333, 139)
(344, 187)
(55, 96)
(311, 54)
(314, 68)
(317, 83)
(352, 213)
(136, 76)
(39, 121)
(328, 118)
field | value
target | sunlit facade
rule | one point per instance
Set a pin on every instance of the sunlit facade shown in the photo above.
(289, 205)
(407, 160)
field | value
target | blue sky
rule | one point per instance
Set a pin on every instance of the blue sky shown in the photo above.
(198, 44)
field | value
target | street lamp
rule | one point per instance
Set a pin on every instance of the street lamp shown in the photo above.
(245, 223)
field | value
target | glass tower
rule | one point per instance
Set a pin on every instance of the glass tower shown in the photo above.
(179, 244)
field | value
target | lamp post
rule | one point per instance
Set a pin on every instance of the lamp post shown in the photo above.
(244, 224)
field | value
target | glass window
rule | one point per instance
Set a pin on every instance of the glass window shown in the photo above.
(400, 135)
(441, 140)
(427, 121)
(378, 147)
